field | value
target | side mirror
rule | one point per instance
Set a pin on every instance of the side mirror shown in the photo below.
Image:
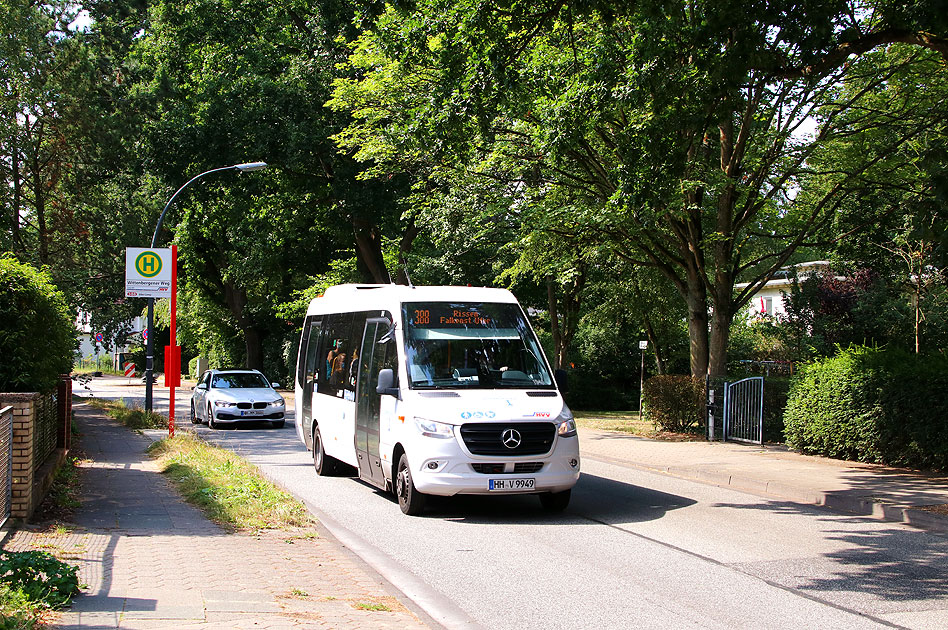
(275, 385)
(386, 383)
(562, 381)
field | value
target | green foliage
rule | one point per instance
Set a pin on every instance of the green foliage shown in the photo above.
(875, 405)
(40, 576)
(17, 612)
(37, 335)
(675, 403)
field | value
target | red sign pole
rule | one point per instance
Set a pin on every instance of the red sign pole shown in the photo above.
(174, 341)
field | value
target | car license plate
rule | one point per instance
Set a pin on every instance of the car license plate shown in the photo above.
(511, 485)
(250, 412)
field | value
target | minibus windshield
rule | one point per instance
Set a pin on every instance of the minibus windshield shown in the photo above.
(477, 346)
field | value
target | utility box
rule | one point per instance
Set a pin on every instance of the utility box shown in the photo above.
(201, 367)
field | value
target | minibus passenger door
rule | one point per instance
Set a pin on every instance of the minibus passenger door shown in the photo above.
(311, 372)
(377, 352)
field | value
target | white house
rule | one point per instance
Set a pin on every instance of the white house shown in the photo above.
(769, 300)
(88, 347)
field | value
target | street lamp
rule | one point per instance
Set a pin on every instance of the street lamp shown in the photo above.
(246, 167)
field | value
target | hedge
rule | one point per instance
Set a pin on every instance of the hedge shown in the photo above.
(872, 405)
(37, 332)
(675, 403)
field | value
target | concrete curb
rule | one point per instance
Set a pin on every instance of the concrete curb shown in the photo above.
(860, 506)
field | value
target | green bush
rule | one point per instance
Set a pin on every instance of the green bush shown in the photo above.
(675, 403)
(39, 576)
(872, 405)
(37, 333)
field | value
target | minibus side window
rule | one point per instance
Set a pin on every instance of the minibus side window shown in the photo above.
(336, 353)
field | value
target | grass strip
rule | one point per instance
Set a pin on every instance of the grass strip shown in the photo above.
(229, 490)
(624, 421)
(134, 417)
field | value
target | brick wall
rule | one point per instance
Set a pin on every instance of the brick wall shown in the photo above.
(24, 408)
(28, 485)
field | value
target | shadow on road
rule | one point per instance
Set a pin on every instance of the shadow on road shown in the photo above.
(890, 563)
(594, 499)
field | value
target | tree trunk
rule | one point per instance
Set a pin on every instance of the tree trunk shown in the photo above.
(17, 194)
(656, 347)
(369, 252)
(404, 248)
(236, 300)
(253, 343)
(697, 302)
(554, 323)
(722, 300)
(720, 334)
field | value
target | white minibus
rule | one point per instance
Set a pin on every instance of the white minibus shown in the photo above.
(433, 391)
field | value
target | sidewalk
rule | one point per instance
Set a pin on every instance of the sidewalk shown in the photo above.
(863, 489)
(150, 560)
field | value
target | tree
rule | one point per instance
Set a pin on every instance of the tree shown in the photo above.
(226, 87)
(37, 335)
(677, 126)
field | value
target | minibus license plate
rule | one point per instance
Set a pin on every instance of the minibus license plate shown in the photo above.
(511, 485)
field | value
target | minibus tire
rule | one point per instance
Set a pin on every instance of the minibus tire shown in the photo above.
(324, 464)
(410, 500)
(555, 501)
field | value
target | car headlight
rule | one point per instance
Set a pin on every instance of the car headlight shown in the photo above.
(224, 403)
(567, 425)
(432, 428)
(278, 403)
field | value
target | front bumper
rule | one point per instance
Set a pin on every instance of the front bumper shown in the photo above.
(457, 471)
(227, 416)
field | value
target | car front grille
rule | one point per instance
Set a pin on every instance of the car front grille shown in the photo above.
(500, 438)
(256, 405)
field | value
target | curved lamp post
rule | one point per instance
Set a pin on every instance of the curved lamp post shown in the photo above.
(246, 167)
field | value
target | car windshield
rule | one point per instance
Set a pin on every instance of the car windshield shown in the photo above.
(476, 346)
(239, 380)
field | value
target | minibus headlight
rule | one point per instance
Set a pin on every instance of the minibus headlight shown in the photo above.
(431, 428)
(567, 427)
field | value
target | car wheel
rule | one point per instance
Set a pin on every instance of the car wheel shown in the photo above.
(194, 418)
(210, 418)
(324, 464)
(277, 424)
(410, 500)
(555, 501)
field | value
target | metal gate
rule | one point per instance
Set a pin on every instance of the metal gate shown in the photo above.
(744, 410)
(6, 463)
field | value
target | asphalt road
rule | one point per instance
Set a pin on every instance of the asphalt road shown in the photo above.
(634, 549)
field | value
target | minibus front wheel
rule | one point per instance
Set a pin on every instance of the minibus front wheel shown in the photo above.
(410, 500)
(555, 501)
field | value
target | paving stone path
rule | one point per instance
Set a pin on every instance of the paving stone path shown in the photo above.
(150, 560)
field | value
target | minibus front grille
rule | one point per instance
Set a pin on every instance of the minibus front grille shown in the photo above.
(520, 468)
(544, 394)
(508, 438)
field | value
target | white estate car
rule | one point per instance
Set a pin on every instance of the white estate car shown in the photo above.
(237, 395)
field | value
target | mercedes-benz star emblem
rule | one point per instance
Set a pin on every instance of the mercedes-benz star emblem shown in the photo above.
(511, 438)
